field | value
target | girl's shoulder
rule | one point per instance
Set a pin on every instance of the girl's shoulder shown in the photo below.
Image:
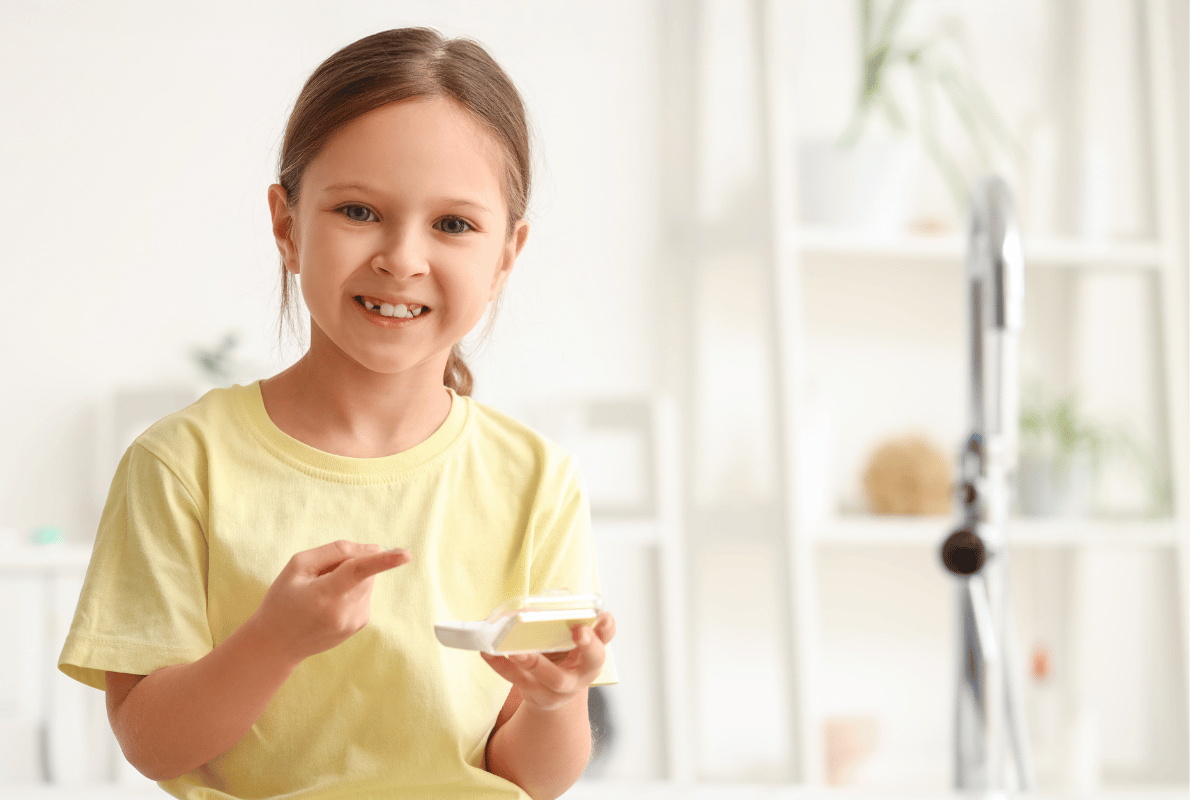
(516, 443)
(216, 414)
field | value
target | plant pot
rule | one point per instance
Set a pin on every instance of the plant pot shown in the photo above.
(865, 187)
(1049, 487)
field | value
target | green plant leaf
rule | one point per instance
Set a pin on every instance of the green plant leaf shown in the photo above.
(891, 23)
(935, 151)
(952, 88)
(881, 53)
(892, 109)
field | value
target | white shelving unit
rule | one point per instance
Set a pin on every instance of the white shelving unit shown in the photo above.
(45, 561)
(1034, 533)
(795, 245)
(43, 581)
(949, 249)
(639, 544)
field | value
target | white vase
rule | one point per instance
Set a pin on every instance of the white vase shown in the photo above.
(1049, 489)
(865, 187)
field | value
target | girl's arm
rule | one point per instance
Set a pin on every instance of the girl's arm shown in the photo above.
(178, 718)
(544, 745)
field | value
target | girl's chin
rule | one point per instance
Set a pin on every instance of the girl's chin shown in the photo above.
(406, 371)
(384, 363)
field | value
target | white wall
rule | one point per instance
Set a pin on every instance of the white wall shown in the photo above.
(138, 143)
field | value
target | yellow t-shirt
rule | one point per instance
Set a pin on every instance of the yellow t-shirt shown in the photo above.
(208, 505)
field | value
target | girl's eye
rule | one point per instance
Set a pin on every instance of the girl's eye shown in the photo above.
(358, 213)
(453, 225)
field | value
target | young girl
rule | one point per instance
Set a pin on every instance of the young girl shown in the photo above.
(272, 560)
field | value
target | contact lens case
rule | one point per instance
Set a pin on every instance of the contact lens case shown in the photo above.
(525, 624)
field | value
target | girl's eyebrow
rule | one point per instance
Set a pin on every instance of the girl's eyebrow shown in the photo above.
(448, 201)
(337, 187)
(462, 203)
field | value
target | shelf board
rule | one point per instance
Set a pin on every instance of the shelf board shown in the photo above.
(602, 788)
(636, 531)
(879, 530)
(45, 559)
(951, 248)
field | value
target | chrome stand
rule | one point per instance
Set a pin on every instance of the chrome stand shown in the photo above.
(991, 740)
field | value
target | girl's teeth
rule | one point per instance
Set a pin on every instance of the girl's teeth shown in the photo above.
(389, 310)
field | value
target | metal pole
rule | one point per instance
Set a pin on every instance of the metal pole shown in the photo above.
(990, 734)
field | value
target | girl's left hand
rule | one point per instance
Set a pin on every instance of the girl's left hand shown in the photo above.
(549, 680)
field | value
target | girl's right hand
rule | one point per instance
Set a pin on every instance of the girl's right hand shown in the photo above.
(323, 597)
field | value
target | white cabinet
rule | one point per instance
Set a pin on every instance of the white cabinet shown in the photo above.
(628, 451)
(57, 730)
(869, 588)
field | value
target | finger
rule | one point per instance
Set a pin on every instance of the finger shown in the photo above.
(589, 654)
(354, 571)
(355, 551)
(606, 627)
(327, 557)
(544, 673)
(396, 557)
(507, 668)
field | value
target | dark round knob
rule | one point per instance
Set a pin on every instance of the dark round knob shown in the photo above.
(968, 493)
(964, 553)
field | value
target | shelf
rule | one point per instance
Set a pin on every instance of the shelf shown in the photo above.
(626, 532)
(44, 559)
(647, 790)
(589, 789)
(868, 530)
(951, 248)
(68, 558)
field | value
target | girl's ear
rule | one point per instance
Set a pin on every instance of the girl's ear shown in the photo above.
(281, 226)
(508, 259)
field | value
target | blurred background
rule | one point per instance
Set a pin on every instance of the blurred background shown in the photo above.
(742, 305)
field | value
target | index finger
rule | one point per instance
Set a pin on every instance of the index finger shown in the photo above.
(358, 569)
(328, 557)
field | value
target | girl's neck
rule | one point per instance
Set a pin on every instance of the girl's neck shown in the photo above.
(344, 409)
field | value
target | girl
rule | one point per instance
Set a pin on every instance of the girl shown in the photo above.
(229, 610)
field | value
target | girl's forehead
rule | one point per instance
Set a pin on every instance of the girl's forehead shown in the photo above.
(418, 142)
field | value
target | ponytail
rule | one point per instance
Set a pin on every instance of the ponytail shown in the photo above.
(457, 376)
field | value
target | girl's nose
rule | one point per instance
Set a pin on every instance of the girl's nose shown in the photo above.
(401, 255)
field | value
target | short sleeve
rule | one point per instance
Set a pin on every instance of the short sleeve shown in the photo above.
(144, 601)
(564, 552)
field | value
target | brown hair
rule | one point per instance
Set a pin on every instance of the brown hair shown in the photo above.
(395, 65)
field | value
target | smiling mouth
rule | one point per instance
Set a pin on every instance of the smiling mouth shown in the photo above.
(402, 311)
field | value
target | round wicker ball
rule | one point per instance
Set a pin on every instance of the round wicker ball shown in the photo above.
(908, 475)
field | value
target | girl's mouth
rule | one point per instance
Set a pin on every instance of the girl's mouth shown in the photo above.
(402, 311)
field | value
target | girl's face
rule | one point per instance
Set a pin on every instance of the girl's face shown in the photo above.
(403, 208)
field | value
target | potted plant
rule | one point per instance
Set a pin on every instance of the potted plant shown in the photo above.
(865, 178)
(1062, 453)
